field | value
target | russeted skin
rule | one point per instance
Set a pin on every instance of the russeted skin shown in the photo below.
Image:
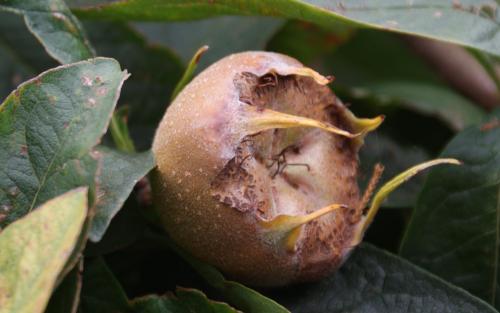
(216, 182)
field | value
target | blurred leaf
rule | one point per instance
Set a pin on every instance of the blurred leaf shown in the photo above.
(431, 100)
(463, 22)
(119, 173)
(466, 199)
(489, 64)
(54, 26)
(184, 301)
(22, 57)
(224, 35)
(244, 298)
(390, 59)
(156, 71)
(307, 42)
(66, 297)
(34, 249)
(126, 227)
(373, 280)
(48, 126)
(101, 292)
(408, 82)
(395, 158)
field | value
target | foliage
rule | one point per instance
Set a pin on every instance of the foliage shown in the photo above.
(468, 201)
(35, 248)
(76, 232)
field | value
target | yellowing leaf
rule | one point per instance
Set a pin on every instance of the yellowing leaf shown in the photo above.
(34, 249)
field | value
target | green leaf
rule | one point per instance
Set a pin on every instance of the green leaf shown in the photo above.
(156, 71)
(244, 298)
(431, 100)
(126, 228)
(119, 173)
(80, 173)
(407, 83)
(48, 127)
(184, 301)
(101, 292)
(466, 200)
(22, 57)
(119, 131)
(455, 22)
(54, 26)
(66, 297)
(34, 249)
(352, 67)
(373, 280)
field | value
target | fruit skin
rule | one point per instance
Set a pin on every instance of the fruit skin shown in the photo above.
(198, 139)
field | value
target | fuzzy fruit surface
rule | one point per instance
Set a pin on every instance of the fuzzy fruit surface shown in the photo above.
(229, 168)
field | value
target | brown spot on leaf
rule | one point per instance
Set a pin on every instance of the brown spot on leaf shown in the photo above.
(102, 91)
(13, 191)
(24, 150)
(457, 5)
(91, 102)
(86, 81)
(5, 208)
(52, 99)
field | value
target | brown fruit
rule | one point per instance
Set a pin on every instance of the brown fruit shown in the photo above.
(257, 168)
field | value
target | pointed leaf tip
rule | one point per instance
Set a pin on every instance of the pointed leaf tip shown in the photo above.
(189, 72)
(288, 228)
(389, 187)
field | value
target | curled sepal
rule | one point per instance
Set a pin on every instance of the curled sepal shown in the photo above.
(287, 228)
(305, 71)
(389, 187)
(363, 125)
(264, 119)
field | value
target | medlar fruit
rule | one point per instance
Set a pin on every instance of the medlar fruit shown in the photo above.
(257, 171)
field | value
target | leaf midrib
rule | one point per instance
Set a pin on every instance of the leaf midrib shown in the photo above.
(55, 156)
